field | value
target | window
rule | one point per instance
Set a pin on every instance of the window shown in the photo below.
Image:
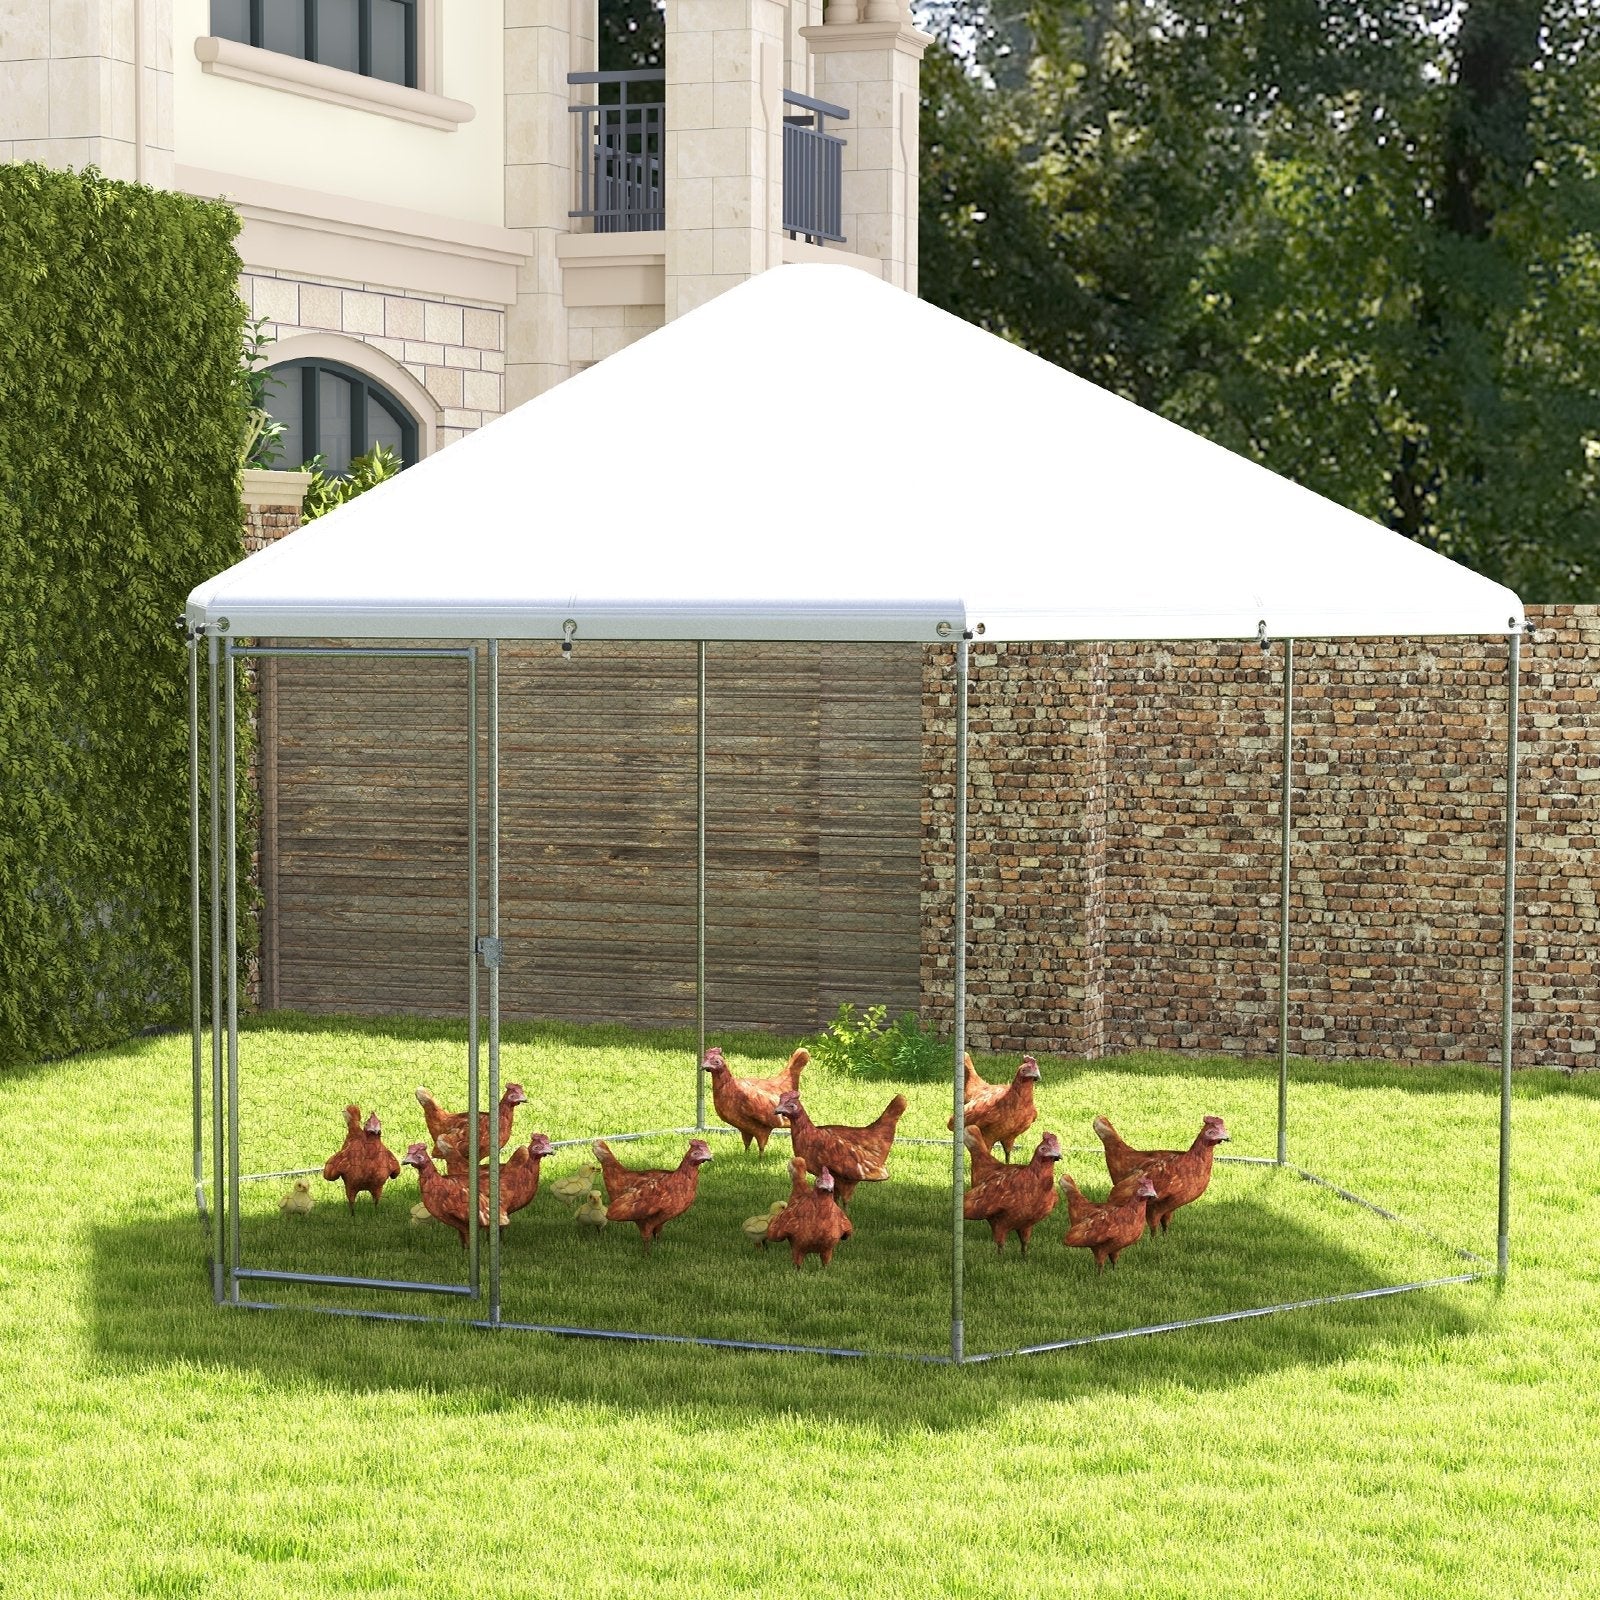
(337, 413)
(377, 38)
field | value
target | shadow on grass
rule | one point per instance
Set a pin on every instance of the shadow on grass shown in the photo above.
(149, 1304)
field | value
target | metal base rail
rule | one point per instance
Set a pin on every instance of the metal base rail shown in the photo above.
(775, 1347)
(1225, 1316)
(968, 1358)
(330, 1280)
(679, 1133)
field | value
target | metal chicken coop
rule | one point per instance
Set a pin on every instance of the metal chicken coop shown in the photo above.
(1199, 554)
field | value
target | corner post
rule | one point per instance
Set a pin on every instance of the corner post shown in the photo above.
(192, 644)
(959, 1048)
(232, 736)
(473, 866)
(700, 893)
(494, 984)
(1286, 821)
(1508, 949)
(213, 679)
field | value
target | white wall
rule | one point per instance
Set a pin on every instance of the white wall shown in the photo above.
(248, 130)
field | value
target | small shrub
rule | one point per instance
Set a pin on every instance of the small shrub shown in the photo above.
(859, 1045)
(261, 442)
(328, 490)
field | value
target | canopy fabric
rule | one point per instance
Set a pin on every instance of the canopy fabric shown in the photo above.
(818, 455)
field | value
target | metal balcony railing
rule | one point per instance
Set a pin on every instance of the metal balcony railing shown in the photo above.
(813, 165)
(618, 160)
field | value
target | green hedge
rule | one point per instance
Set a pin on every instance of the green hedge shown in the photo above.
(120, 422)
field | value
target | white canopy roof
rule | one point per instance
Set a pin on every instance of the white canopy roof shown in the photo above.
(817, 455)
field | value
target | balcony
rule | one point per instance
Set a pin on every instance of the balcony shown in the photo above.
(813, 170)
(619, 170)
(618, 160)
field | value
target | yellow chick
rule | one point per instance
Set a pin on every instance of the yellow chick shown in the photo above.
(298, 1201)
(570, 1190)
(592, 1213)
(420, 1214)
(755, 1228)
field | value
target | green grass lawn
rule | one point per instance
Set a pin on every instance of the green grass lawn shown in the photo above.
(1444, 1443)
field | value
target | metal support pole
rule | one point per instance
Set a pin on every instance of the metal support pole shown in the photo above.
(214, 750)
(196, 1047)
(1286, 820)
(959, 1052)
(1508, 948)
(494, 983)
(232, 736)
(472, 949)
(700, 893)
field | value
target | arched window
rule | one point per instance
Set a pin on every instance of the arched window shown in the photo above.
(332, 410)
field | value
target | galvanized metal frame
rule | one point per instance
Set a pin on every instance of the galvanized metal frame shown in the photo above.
(488, 951)
(958, 1042)
(192, 645)
(226, 1278)
(1508, 951)
(700, 888)
(1286, 830)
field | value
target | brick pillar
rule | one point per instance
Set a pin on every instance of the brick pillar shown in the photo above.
(872, 67)
(1036, 845)
(724, 146)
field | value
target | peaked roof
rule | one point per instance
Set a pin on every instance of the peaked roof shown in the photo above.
(817, 455)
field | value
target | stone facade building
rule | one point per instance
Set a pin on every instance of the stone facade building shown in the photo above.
(446, 209)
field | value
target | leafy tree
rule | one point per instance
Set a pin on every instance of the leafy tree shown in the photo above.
(633, 34)
(1357, 243)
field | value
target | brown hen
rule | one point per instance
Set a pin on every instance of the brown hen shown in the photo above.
(1106, 1230)
(813, 1223)
(451, 1135)
(519, 1176)
(1122, 1158)
(617, 1178)
(1011, 1199)
(1001, 1112)
(1179, 1178)
(363, 1160)
(751, 1104)
(852, 1155)
(446, 1197)
(658, 1197)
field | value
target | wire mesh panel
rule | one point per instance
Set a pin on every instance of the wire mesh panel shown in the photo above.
(813, 795)
(363, 835)
(597, 793)
(363, 903)
(812, 806)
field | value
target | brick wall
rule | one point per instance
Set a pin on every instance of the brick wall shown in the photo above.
(1123, 858)
(1036, 818)
(266, 524)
